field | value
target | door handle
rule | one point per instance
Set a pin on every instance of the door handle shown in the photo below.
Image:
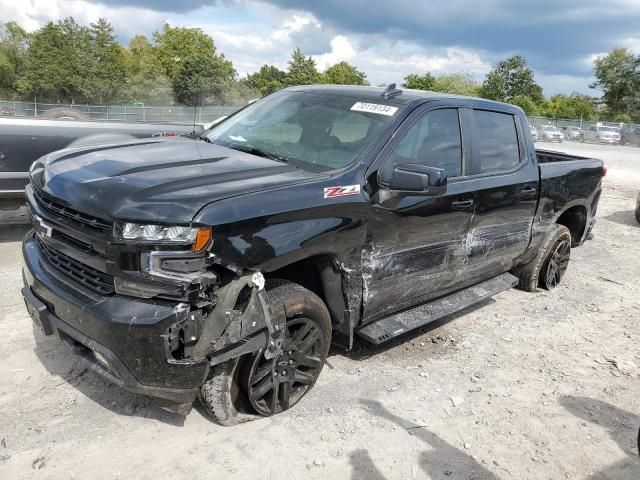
(461, 204)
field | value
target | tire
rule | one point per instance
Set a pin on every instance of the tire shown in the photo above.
(61, 113)
(535, 274)
(230, 394)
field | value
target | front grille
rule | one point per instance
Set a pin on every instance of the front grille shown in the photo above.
(89, 277)
(83, 219)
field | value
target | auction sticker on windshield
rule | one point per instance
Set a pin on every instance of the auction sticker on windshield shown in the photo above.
(374, 108)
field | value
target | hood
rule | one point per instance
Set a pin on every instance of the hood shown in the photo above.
(165, 180)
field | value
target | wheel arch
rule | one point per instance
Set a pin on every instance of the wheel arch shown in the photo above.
(323, 275)
(575, 218)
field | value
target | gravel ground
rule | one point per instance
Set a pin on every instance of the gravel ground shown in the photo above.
(526, 386)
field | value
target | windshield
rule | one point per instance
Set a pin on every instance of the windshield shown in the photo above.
(550, 129)
(314, 130)
(608, 129)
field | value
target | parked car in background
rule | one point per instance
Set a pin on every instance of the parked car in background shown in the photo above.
(549, 133)
(600, 134)
(534, 133)
(572, 133)
(638, 209)
(630, 136)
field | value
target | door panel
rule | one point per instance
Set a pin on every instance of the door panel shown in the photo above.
(415, 245)
(506, 198)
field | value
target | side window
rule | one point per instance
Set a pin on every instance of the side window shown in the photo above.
(433, 141)
(496, 143)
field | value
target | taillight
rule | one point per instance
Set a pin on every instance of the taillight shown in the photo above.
(604, 172)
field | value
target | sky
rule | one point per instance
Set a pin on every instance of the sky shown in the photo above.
(387, 39)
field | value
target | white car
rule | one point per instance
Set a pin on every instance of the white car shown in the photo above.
(548, 133)
(534, 132)
(598, 134)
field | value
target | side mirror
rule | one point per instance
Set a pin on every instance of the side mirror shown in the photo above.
(408, 177)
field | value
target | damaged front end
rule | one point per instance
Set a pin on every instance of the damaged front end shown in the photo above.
(240, 322)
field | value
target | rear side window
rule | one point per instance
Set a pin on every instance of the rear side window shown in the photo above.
(496, 143)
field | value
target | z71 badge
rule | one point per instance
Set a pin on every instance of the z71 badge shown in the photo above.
(332, 192)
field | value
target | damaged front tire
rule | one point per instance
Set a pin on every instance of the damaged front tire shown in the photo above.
(239, 389)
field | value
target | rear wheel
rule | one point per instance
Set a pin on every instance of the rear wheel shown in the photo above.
(551, 263)
(241, 388)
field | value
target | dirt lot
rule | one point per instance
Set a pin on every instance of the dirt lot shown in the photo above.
(528, 386)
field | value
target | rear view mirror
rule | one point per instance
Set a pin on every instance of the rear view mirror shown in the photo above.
(408, 177)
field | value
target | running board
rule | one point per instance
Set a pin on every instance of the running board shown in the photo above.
(389, 327)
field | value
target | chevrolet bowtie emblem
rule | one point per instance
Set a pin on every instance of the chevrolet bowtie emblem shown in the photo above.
(45, 228)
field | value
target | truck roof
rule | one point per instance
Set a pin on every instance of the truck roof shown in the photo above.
(407, 96)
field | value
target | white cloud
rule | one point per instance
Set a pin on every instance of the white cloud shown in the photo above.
(32, 14)
(341, 50)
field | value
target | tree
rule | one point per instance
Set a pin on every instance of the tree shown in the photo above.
(420, 82)
(266, 80)
(201, 75)
(302, 70)
(344, 74)
(456, 83)
(175, 44)
(575, 105)
(13, 46)
(509, 80)
(106, 64)
(618, 76)
(55, 64)
(145, 79)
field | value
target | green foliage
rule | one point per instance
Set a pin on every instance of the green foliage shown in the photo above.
(201, 75)
(575, 105)
(344, 74)
(266, 80)
(419, 82)
(509, 80)
(105, 63)
(302, 70)
(529, 106)
(14, 42)
(55, 63)
(618, 76)
(145, 79)
(456, 83)
(173, 45)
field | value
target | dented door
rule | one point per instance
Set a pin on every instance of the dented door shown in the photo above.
(415, 250)
(506, 181)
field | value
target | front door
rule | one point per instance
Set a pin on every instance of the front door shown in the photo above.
(415, 246)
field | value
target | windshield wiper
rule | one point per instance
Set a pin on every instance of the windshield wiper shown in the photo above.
(256, 151)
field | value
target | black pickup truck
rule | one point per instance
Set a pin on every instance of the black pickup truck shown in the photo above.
(224, 265)
(24, 140)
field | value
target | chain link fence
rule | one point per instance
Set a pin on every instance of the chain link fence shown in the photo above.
(583, 124)
(122, 113)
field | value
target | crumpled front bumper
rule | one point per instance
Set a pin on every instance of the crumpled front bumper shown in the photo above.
(121, 338)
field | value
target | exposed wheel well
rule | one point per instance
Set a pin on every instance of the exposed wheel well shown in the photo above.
(321, 275)
(575, 219)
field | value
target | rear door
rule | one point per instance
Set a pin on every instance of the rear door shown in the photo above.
(505, 179)
(415, 248)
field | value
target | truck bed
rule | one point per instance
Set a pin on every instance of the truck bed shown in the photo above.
(550, 156)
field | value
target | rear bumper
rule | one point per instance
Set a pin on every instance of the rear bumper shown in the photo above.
(121, 338)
